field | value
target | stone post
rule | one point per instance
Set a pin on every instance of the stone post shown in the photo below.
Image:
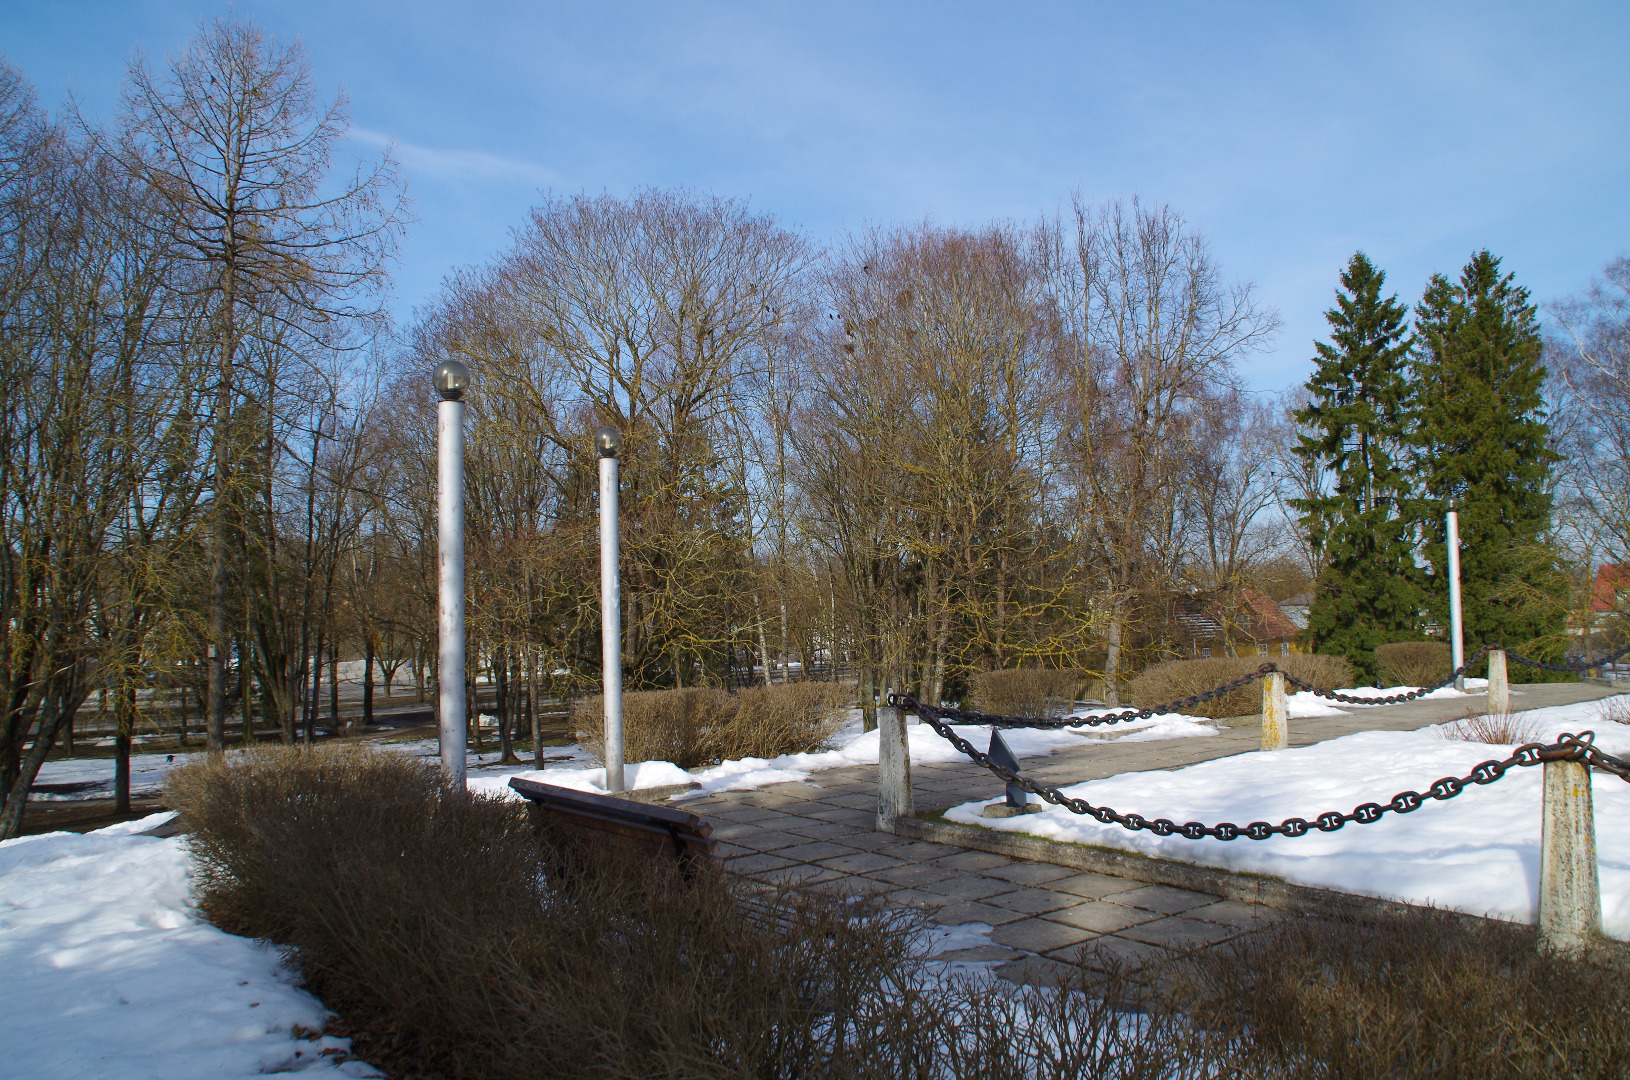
(1570, 898)
(894, 798)
(1275, 713)
(1499, 685)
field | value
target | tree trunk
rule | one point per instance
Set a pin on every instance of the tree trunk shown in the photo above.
(532, 707)
(334, 689)
(868, 697)
(1112, 660)
(368, 681)
(316, 697)
(507, 691)
(181, 729)
(121, 766)
(763, 642)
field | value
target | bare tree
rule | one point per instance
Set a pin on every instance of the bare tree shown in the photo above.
(234, 140)
(1150, 335)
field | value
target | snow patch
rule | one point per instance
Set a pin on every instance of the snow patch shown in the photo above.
(111, 973)
(1477, 853)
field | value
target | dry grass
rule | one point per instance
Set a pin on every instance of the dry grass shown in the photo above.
(1614, 710)
(1412, 663)
(1420, 995)
(1025, 691)
(467, 945)
(701, 726)
(1178, 679)
(1496, 729)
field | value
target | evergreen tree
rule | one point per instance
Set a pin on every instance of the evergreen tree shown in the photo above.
(1481, 435)
(1368, 592)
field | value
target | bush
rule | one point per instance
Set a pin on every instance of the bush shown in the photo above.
(1413, 663)
(1178, 679)
(464, 943)
(1025, 691)
(700, 726)
(1415, 995)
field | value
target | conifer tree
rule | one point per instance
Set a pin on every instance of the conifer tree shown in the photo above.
(1368, 592)
(1481, 436)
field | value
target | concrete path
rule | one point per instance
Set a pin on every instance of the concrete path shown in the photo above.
(821, 834)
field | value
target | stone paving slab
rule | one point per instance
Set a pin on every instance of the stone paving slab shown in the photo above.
(1047, 921)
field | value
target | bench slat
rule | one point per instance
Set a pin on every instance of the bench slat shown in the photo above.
(624, 821)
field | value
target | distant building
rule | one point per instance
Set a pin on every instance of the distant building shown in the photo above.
(1244, 622)
(1611, 592)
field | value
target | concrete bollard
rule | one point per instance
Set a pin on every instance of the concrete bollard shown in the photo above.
(894, 798)
(1275, 713)
(1499, 685)
(1570, 897)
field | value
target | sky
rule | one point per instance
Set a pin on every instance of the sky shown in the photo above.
(1290, 133)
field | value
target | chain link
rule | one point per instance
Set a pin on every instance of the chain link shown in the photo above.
(1568, 747)
(1391, 699)
(1572, 666)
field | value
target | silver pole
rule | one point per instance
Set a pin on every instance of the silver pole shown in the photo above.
(451, 378)
(1457, 630)
(607, 442)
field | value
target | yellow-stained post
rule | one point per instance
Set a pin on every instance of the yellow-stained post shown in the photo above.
(1275, 713)
(1570, 896)
(1499, 683)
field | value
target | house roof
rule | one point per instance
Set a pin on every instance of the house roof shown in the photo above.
(1247, 612)
(1612, 580)
(1266, 621)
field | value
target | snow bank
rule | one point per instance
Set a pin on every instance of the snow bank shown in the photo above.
(855, 747)
(1305, 705)
(1477, 853)
(110, 972)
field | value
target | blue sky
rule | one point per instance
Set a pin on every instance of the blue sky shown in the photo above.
(1291, 133)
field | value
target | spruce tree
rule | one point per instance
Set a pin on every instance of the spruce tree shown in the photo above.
(1367, 593)
(1481, 435)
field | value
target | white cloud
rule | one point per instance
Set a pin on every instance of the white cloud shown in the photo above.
(460, 165)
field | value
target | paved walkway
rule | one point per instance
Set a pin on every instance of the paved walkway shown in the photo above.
(821, 834)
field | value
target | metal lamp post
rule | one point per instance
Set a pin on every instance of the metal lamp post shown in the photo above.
(451, 379)
(607, 442)
(1457, 628)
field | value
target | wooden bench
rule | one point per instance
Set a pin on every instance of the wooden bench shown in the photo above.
(623, 824)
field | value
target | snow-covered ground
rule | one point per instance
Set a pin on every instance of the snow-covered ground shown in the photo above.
(1305, 704)
(146, 775)
(852, 746)
(111, 973)
(572, 766)
(1477, 853)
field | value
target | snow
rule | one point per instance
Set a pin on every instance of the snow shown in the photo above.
(146, 775)
(1477, 853)
(1305, 705)
(854, 747)
(112, 974)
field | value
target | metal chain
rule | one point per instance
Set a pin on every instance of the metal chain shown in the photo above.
(1139, 713)
(1145, 712)
(1391, 699)
(1572, 666)
(1568, 747)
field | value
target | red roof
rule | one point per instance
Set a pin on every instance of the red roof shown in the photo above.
(1267, 622)
(1611, 580)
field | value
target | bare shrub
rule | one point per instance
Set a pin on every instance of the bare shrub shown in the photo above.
(1614, 710)
(1026, 691)
(1416, 995)
(1413, 663)
(469, 943)
(1496, 729)
(788, 718)
(680, 726)
(1178, 679)
(700, 726)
